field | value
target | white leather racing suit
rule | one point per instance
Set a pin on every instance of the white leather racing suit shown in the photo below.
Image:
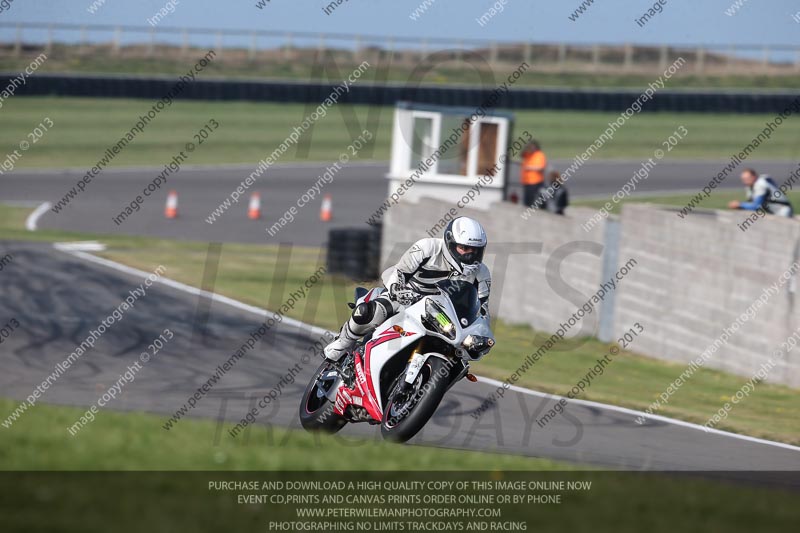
(428, 262)
(420, 268)
(765, 194)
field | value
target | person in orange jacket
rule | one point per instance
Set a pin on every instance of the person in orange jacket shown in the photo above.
(534, 163)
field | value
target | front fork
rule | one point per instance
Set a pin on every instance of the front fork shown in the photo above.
(417, 361)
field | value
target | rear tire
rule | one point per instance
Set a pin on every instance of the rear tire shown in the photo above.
(407, 413)
(316, 410)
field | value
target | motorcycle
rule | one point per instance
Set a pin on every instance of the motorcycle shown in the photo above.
(398, 375)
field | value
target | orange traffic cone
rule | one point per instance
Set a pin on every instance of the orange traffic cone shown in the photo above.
(254, 209)
(171, 210)
(325, 212)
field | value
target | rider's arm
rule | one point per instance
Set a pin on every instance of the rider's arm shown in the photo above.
(755, 204)
(407, 265)
(758, 197)
(484, 280)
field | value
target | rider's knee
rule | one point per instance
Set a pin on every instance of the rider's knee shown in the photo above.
(373, 312)
(363, 313)
(383, 310)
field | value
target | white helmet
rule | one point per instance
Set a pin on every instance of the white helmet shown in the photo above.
(465, 231)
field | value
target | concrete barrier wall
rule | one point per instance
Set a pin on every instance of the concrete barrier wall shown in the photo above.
(698, 275)
(693, 277)
(551, 265)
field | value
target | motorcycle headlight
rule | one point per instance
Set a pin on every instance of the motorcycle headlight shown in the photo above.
(478, 345)
(437, 320)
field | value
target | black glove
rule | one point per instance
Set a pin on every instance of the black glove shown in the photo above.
(403, 294)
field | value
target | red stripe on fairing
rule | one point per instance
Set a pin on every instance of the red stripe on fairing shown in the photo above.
(368, 295)
(366, 393)
(363, 387)
(385, 336)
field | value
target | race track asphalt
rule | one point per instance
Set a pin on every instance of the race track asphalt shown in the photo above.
(58, 298)
(357, 191)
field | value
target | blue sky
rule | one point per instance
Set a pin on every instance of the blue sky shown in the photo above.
(606, 21)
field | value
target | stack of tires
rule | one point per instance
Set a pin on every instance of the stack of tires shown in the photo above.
(355, 253)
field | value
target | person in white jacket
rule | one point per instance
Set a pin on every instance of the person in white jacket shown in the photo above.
(763, 194)
(458, 255)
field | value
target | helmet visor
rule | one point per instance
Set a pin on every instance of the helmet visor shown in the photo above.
(468, 255)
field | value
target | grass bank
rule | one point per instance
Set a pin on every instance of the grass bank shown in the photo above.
(135, 441)
(85, 127)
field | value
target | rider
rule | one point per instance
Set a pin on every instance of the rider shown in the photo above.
(457, 256)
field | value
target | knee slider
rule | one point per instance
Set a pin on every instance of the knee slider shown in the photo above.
(363, 313)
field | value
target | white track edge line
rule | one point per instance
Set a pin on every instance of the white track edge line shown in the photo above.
(33, 219)
(316, 329)
(195, 291)
(626, 410)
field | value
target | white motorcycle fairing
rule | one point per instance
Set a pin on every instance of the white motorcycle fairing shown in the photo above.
(403, 329)
(398, 376)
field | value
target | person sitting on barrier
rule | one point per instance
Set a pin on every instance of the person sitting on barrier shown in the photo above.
(763, 194)
(559, 199)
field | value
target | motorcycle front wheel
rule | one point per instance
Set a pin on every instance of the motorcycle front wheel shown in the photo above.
(409, 409)
(316, 410)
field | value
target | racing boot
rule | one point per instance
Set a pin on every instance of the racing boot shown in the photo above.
(342, 343)
(366, 316)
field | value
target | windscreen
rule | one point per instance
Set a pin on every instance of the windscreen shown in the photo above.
(465, 299)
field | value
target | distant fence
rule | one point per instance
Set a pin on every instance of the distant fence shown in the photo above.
(286, 47)
(389, 94)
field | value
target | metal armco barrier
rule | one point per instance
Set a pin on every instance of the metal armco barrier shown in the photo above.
(615, 100)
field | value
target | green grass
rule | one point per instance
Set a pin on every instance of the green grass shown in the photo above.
(124, 469)
(248, 132)
(136, 441)
(635, 381)
(246, 273)
(718, 200)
